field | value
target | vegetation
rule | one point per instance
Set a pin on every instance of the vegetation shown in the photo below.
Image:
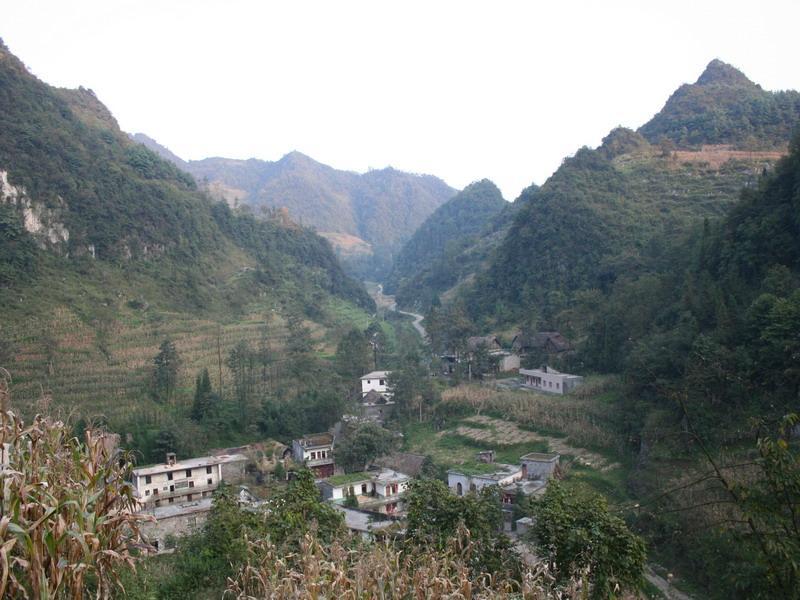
(68, 522)
(581, 535)
(428, 264)
(725, 107)
(360, 447)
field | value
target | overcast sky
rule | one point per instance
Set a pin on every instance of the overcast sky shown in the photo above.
(463, 90)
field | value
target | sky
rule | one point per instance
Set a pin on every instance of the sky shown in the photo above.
(463, 90)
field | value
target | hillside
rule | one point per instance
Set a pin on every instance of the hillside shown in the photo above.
(381, 209)
(107, 250)
(431, 261)
(604, 210)
(724, 107)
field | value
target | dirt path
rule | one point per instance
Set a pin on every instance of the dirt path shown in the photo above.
(386, 301)
(503, 432)
(664, 586)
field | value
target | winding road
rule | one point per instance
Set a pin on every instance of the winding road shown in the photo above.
(385, 301)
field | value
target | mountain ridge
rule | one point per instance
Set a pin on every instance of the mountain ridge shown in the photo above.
(381, 207)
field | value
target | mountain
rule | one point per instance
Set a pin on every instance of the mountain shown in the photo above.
(605, 210)
(432, 261)
(106, 250)
(724, 107)
(367, 217)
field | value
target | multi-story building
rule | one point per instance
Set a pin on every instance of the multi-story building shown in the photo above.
(316, 452)
(176, 482)
(378, 381)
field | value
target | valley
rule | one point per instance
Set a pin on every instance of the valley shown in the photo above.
(308, 382)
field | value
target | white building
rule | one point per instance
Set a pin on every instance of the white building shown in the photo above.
(378, 491)
(175, 482)
(548, 379)
(316, 452)
(376, 380)
(464, 480)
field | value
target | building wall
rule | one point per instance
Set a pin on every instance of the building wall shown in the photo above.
(175, 526)
(509, 362)
(536, 469)
(378, 412)
(160, 485)
(233, 472)
(374, 384)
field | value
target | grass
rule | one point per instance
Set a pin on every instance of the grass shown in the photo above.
(346, 478)
(451, 450)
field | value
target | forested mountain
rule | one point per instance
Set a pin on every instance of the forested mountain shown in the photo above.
(605, 209)
(432, 261)
(367, 217)
(725, 107)
(106, 249)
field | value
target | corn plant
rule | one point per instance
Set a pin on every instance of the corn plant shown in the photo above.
(68, 520)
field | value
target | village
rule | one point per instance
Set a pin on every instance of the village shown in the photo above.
(178, 493)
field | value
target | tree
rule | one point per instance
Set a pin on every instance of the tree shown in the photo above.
(353, 356)
(578, 532)
(436, 517)
(204, 399)
(69, 512)
(242, 362)
(165, 374)
(365, 444)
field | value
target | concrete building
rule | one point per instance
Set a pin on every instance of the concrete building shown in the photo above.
(376, 491)
(529, 478)
(176, 482)
(376, 380)
(549, 380)
(364, 523)
(316, 452)
(376, 407)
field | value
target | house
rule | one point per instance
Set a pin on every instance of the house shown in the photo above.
(376, 407)
(377, 381)
(529, 478)
(175, 482)
(376, 491)
(548, 342)
(489, 342)
(364, 523)
(548, 379)
(316, 452)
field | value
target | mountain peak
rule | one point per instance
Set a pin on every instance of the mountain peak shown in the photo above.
(718, 72)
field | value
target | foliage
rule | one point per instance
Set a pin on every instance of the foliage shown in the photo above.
(724, 107)
(436, 516)
(366, 443)
(414, 394)
(428, 262)
(68, 521)
(353, 356)
(205, 400)
(580, 534)
(314, 410)
(382, 570)
(165, 371)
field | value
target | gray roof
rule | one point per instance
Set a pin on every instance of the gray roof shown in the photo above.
(377, 375)
(189, 463)
(405, 462)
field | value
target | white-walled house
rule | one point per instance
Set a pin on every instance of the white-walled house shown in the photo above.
(174, 481)
(464, 480)
(376, 380)
(316, 452)
(548, 379)
(378, 491)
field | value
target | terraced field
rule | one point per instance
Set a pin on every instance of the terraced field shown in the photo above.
(105, 369)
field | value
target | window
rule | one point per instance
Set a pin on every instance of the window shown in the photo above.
(169, 476)
(148, 479)
(189, 497)
(382, 382)
(155, 492)
(313, 456)
(208, 470)
(147, 492)
(171, 500)
(459, 489)
(172, 488)
(557, 385)
(191, 484)
(209, 480)
(188, 472)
